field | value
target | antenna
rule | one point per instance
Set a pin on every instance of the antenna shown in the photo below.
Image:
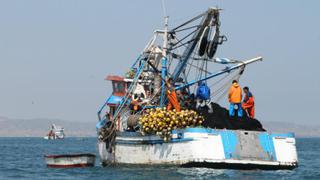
(164, 8)
(165, 34)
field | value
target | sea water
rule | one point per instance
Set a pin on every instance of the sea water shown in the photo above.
(23, 158)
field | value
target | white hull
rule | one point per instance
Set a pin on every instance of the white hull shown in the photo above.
(205, 147)
(77, 160)
(52, 137)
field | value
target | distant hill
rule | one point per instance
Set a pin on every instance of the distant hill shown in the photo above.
(39, 127)
(298, 129)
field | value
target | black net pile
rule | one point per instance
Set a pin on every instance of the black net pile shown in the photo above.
(219, 119)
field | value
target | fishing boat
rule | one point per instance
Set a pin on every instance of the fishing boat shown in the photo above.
(55, 132)
(186, 54)
(70, 160)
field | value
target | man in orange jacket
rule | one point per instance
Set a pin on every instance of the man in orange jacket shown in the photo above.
(235, 98)
(248, 102)
(172, 96)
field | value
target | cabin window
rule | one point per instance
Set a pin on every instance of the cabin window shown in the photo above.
(118, 87)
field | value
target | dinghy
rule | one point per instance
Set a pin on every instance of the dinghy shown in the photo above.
(70, 160)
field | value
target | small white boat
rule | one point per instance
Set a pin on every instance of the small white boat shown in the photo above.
(55, 132)
(70, 160)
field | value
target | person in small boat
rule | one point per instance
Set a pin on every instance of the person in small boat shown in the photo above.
(172, 96)
(203, 96)
(50, 134)
(248, 102)
(235, 97)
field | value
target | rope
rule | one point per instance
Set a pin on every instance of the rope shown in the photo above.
(187, 28)
(237, 77)
(203, 70)
(191, 20)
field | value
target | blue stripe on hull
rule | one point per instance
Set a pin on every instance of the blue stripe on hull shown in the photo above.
(267, 145)
(229, 141)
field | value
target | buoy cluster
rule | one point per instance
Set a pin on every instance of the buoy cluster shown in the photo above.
(161, 122)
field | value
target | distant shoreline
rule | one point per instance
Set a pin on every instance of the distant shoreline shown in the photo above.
(298, 137)
(44, 139)
(39, 128)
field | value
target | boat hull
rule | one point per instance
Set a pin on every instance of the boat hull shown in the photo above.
(52, 138)
(205, 147)
(68, 161)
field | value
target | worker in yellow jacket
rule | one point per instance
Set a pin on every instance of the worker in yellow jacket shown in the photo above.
(235, 98)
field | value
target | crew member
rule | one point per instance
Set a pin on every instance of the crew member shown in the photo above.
(203, 96)
(180, 98)
(172, 96)
(235, 97)
(135, 106)
(248, 102)
(138, 99)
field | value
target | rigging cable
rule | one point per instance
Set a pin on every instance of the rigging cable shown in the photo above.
(224, 88)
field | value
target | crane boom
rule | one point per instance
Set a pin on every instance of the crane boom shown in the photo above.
(226, 70)
(209, 15)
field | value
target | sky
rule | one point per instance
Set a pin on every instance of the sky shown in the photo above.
(54, 55)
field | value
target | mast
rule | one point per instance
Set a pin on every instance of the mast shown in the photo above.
(164, 61)
(165, 37)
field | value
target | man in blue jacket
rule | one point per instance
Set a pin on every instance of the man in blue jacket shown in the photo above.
(203, 96)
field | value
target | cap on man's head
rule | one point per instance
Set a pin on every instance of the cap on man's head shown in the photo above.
(234, 81)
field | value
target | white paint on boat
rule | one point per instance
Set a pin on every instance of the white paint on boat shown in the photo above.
(200, 145)
(285, 149)
(74, 160)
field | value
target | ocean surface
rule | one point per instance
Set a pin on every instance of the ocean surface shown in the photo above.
(22, 158)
